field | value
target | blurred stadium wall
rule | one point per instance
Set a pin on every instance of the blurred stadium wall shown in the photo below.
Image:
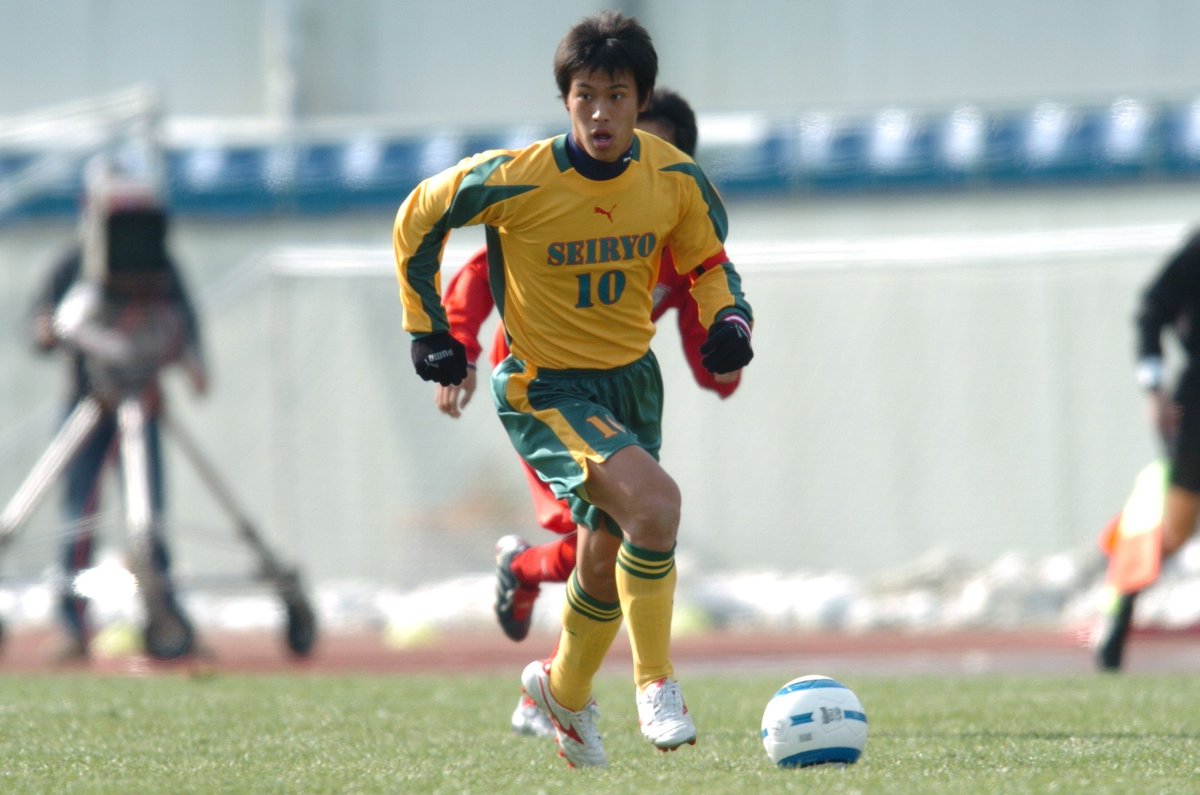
(473, 60)
(932, 373)
(936, 370)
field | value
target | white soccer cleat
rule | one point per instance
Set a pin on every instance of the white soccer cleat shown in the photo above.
(578, 741)
(664, 716)
(529, 720)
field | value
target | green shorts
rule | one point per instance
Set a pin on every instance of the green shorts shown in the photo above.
(560, 420)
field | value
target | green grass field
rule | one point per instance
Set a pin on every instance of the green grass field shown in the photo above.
(276, 734)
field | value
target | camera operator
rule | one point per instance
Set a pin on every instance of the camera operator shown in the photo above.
(115, 303)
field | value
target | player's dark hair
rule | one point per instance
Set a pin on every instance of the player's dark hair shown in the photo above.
(608, 42)
(668, 108)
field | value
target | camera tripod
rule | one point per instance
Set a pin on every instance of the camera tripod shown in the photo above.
(167, 633)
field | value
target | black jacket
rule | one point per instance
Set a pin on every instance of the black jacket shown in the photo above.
(1173, 299)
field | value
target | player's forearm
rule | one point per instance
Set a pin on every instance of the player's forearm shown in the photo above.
(718, 293)
(418, 236)
(418, 261)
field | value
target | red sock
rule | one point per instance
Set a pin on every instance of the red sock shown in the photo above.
(549, 562)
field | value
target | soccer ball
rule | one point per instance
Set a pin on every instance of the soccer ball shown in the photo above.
(814, 720)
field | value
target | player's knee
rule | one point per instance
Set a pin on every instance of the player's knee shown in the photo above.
(656, 516)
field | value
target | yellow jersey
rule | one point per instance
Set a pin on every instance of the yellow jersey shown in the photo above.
(572, 261)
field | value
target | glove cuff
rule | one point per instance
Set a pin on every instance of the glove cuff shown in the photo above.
(733, 317)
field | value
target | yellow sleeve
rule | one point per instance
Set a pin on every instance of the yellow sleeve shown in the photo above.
(698, 245)
(418, 237)
(718, 291)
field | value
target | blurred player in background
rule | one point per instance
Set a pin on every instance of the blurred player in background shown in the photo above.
(116, 304)
(521, 568)
(576, 228)
(1170, 301)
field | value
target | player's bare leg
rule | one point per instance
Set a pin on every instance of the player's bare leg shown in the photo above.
(637, 492)
(595, 563)
(593, 609)
(644, 500)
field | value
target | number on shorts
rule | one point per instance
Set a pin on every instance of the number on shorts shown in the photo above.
(606, 425)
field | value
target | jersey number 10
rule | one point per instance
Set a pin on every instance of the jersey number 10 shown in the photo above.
(609, 286)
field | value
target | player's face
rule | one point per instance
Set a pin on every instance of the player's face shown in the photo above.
(604, 110)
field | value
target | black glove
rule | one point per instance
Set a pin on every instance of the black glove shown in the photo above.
(728, 345)
(439, 357)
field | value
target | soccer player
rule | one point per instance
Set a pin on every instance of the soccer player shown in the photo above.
(521, 568)
(576, 227)
(1171, 300)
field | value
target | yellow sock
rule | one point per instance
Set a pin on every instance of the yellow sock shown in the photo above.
(588, 629)
(646, 585)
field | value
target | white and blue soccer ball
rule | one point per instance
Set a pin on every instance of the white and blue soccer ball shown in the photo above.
(814, 720)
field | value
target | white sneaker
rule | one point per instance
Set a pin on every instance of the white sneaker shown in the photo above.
(663, 715)
(578, 741)
(529, 720)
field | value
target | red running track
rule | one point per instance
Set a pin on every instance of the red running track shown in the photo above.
(876, 653)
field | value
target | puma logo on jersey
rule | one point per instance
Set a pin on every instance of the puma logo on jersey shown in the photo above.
(606, 213)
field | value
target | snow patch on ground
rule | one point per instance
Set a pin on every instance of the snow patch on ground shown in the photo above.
(936, 593)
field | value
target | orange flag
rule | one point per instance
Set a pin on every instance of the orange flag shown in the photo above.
(1133, 539)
